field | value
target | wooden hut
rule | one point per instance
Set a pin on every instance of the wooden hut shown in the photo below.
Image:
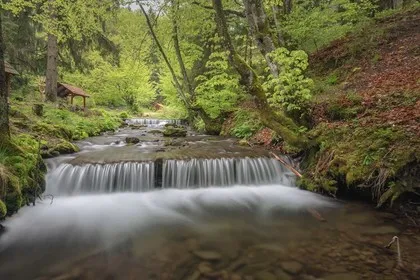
(65, 90)
(10, 72)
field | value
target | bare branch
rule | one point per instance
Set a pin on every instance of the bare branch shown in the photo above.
(227, 11)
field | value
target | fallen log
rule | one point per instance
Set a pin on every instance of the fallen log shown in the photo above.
(288, 166)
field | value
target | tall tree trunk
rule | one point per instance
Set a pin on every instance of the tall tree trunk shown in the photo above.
(4, 106)
(178, 85)
(277, 121)
(187, 83)
(52, 73)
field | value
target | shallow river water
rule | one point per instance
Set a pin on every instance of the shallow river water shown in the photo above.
(248, 231)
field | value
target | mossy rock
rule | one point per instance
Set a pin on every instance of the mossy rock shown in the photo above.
(171, 125)
(13, 197)
(132, 140)
(3, 209)
(171, 131)
(64, 147)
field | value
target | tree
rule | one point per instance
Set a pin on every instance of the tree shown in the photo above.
(51, 77)
(63, 22)
(277, 121)
(4, 106)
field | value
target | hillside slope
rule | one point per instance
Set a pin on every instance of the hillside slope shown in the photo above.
(366, 112)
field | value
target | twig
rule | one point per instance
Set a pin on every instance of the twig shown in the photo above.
(288, 166)
(50, 196)
(395, 239)
(411, 219)
(316, 214)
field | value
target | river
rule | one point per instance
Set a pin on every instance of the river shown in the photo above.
(190, 208)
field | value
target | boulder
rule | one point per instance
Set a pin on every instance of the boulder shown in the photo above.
(132, 140)
(171, 131)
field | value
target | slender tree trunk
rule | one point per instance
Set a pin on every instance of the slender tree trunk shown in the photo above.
(178, 85)
(187, 83)
(277, 121)
(4, 106)
(52, 73)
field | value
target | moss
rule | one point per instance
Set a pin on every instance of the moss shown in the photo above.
(3, 209)
(64, 147)
(360, 157)
(10, 192)
(171, 131)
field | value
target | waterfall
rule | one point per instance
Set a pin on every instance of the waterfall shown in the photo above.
(101, 178)
(153, 122)
(138, 177)
(223, 172)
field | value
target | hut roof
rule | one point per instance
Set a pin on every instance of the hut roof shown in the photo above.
(9, 69)
(65, 89)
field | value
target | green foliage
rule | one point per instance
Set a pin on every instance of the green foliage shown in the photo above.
(3, 209)
(218, 89)
(291, 89)
(111, 86)
(312, 26)
(246, 124)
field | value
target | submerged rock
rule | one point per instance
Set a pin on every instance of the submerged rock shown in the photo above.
(208, 255)
(292, 267)
(342, 276)
(281, 275)
(265, 275)
(132, 140)
(171, 131)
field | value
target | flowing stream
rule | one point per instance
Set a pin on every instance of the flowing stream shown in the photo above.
(193, 208)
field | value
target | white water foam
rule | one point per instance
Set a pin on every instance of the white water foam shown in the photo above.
(109, 218)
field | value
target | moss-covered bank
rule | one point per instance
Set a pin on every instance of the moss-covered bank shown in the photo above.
(34, 137)
(366, 112)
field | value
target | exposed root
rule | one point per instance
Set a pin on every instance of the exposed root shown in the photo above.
(378, 182)
(324, 162)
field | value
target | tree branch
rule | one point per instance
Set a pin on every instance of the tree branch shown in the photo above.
(227, 11)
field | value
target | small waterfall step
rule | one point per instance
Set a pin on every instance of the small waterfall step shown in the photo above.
(68, 179)
(153, 122)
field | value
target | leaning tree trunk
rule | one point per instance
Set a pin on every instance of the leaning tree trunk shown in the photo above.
(52, 73)
(178, 85)
(4, 106)
(277, 121)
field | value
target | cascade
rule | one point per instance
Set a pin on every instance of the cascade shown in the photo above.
(153, 122)
(143, 176)
(101, 178)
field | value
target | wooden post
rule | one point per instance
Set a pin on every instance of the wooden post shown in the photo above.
(71, 99)
(84, 103)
